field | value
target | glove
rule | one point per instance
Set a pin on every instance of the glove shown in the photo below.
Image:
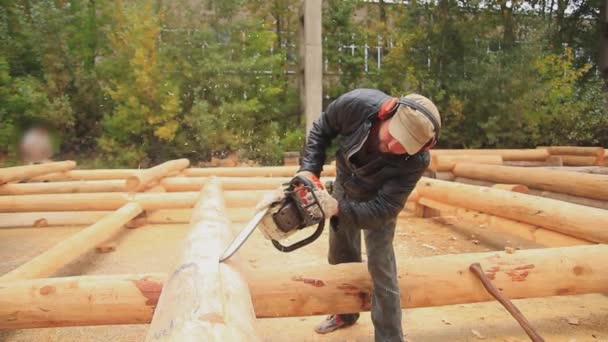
(327, 202)
(271, 197)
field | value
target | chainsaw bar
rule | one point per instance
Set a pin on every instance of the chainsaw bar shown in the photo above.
(240, 239)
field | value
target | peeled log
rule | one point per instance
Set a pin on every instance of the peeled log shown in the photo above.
(447, 162)
(21, 173)
(506, 154)
(264, 171)
(114, 200)
(503, 226)
(78, 175)
(579, 184)
(63, 187)
(598, 170)
(579, 160)
(203, 299)
(576, 150)
(56, 257)
(551, 161)
(142, 180)
(173, 184)
(576, 220)
(570, 198)
(316, 289)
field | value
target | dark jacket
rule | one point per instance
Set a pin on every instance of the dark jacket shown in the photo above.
(375, 192)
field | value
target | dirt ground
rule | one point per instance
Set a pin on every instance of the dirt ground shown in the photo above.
(154, 248)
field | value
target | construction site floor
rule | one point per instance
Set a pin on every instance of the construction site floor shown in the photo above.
(155, 248)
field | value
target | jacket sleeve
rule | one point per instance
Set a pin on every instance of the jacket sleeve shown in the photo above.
(387, 204)
(340, 117)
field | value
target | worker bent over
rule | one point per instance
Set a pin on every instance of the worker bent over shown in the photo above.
(383, 151)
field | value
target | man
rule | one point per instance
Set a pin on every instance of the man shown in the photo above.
(35, 146)
(382, 155)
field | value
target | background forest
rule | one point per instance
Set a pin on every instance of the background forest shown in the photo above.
(127, 83)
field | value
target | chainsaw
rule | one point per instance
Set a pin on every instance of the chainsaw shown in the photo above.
(298, 208)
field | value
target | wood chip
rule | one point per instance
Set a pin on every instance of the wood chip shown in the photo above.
(453, 238)
(509, 250)
(445, 321)
(475, 242)
(573, 321)
(477, 334)
(429, 246)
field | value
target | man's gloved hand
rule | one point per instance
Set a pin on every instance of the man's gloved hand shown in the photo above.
(272, 196)
(327, 202)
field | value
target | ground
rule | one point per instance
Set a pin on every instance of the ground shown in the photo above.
(154, 248)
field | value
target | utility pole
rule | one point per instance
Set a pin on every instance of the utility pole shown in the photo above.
(311, 61)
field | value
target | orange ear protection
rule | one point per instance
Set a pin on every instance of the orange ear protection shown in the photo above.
(389, 108)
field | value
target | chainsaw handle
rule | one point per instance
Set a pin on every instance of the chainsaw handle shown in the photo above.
(301, 243)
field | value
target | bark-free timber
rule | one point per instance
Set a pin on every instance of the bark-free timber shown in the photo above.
(63, 187)
(146, 178)
(265, 171)
(21, 173)
(597, 152)
(114, 200)
(598, 170)
(78, 175)
(576, 220)
(578, 184)
(204, 300)
(48, 262)
(445, 163)
(579, 160)
(316, 289)
(570, 198)
(174, 184)
(506, 154)
(498, 226)
(551, 161)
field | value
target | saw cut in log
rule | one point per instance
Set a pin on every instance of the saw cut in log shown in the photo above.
(22, 173)
(445, 163)
(578, 184)
(575, 220)
(202, 299)
(63, 187)
(265, 171)
(114, 200)
(506, 154)
(144, 179)
(47, 263)
(499, 226)
(314, 289)
(81, 175)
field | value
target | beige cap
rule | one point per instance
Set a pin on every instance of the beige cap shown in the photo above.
(411, 127)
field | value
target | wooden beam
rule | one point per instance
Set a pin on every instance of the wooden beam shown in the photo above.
(597, 152)
(63, 187)
(576, 220)
(550, 161)
(114, 200)
(570, 198)
(502, 226)
(47, 263)
(173, 184)
(579, 160)
(598, 170)
(204, 300)
(578, 184)
(22, 173)
(265, 171)
(445, 163)
(506, 154)
(314, 289)
(144, 179)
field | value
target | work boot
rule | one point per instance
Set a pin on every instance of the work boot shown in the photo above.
(335, 322)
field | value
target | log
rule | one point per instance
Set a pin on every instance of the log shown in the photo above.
(447, 176)
(512, 187)
(314, 289)
(551, 161)
(598, 170)
(506, 154)
(173, 184)
(570, 198)
(579, 160)
(445, 163)
(143, 180)
(266, 171)
(470, 181)
(576, 150)
(571, 219)
(114, 200)
(22, 173)
(578, 184)
(85, 218)
(63, 187)
(502, 226)
(56, 257)
(79, 175)
(202, 299)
